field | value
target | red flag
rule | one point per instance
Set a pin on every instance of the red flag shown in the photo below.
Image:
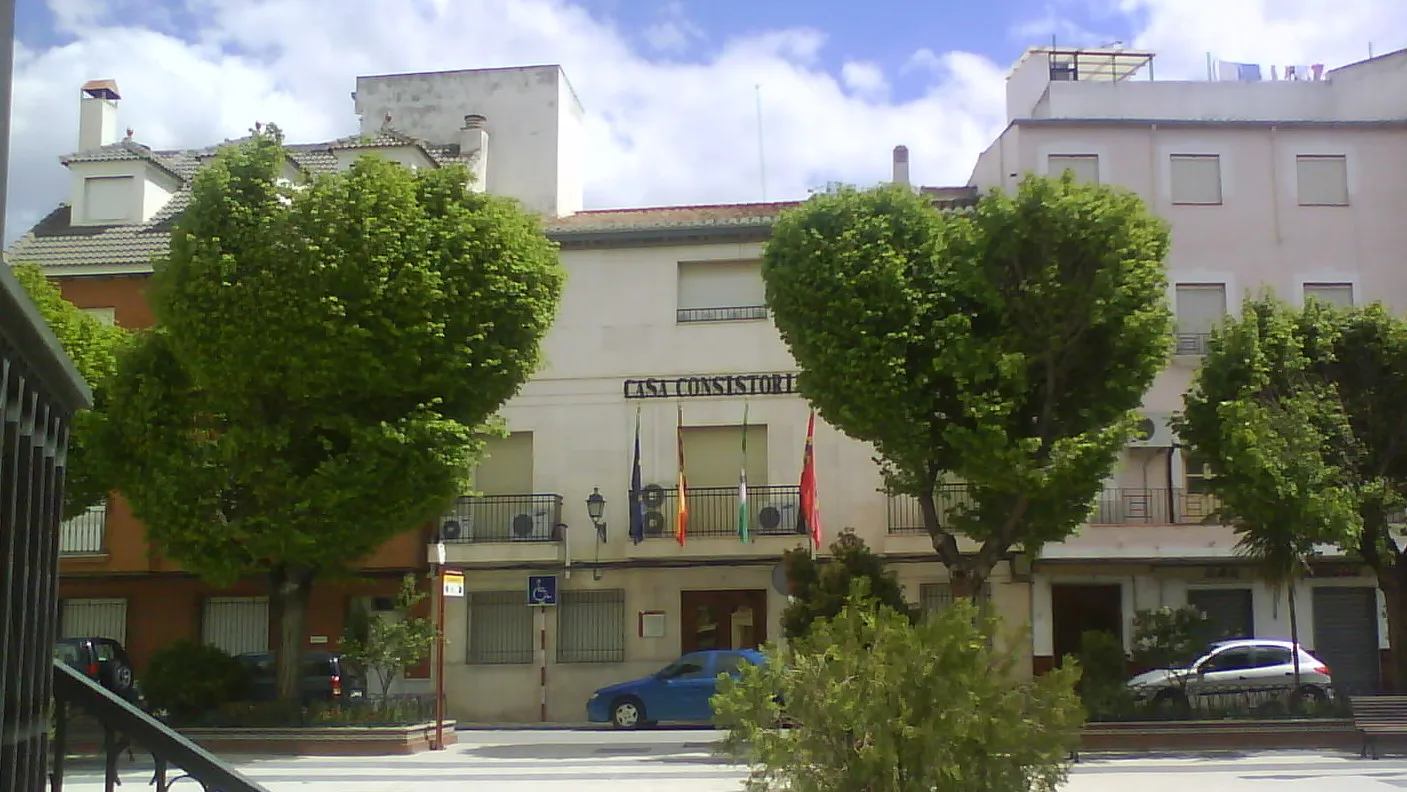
(810, 502)
(681, 525)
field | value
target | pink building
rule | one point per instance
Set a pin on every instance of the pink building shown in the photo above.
(1296, 186)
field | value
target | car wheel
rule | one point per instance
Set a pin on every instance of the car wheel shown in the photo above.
(1170, 701)
(628, 713)
(1309, 695)
(116, 676)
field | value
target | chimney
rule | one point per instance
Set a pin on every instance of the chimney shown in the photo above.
(901, 165)
(474, 137)
(97, 114)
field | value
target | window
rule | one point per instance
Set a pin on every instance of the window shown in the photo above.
(690, 666)
(236, 624)
(94, 618)
(1200, 307)
(1340, 294)
(721, 291)
(506, 468)
(500, 628)
(591, 626)
(1196, 179)
(1084, 166)
(731, 664)
(939, 596)
(1322, 179)
(1268, 656)
(107, 316)
(1229, 660)
(107, 198)
(1199, 475)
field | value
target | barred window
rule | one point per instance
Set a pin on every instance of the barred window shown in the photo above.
(500, 628)
(591, 626)
(938, 596)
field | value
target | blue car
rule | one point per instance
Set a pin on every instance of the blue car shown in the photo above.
(678, 692)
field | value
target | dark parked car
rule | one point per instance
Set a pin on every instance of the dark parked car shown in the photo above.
(327, 676)
(102, 660)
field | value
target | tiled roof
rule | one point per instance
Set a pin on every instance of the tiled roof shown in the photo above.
(662, 217)
(55, 242)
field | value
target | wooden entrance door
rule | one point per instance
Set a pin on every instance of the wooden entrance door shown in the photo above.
(1077, 608)
(722, 620)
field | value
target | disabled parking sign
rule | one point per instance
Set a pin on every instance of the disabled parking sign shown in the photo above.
(542, 589)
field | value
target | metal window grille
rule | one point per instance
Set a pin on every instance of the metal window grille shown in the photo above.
(939, 596)
(591, 626)
(500, 628)
(236, 624)
(94, 618)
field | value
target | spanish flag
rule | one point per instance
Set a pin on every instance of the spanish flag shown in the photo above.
(682, 518)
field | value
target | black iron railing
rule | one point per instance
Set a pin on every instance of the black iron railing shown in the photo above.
(480, 519)
(1192, 344)
(714, 511)
(126, 726)
(906, 517)
(1127, 506)
(1124, 506)
(85, 534)
(736, 313)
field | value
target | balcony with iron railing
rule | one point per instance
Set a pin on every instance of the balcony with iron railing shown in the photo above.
(714, 512)
(86, 534)
(492, 528)
(1122, 506)
(736, 313)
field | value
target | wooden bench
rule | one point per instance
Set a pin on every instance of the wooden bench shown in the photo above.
(1377, 715)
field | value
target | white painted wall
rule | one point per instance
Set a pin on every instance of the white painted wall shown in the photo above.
(534, 124)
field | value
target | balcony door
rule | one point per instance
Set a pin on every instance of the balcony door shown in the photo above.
(722, 620)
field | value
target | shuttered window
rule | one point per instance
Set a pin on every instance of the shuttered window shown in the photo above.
(236, 624)
(95, 618)
(1196, 179)
(500, 628)
(507, 466)
(711, 291)
(1322, 180)
(1340, 294)
(591, 626)
(1084, 166)
(713, 455)
(108, 198)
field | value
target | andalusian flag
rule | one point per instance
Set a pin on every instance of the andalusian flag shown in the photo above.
(742, 486)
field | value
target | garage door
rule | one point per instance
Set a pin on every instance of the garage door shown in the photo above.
(95, 618)
(1346, 636)
(236, 624)
(1231, 611)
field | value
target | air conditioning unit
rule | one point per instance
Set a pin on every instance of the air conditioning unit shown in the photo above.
(534, 525)
(456, 527)
(657, 523)
(1153, 432)
(774, 513)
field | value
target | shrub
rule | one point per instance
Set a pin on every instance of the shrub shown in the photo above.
(188, 680)
(1102, 687)
(879, 703)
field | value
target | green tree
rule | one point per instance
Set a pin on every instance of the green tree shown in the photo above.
(1299, 411)
(94, 347)
(323, 355)
(390, 646)
(1004, 347)
(821, 591)
(881, 704)
(1170, 637)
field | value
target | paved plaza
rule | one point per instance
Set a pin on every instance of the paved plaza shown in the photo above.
(682, 761)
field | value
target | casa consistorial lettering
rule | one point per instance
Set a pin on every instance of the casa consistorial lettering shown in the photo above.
(711, 385)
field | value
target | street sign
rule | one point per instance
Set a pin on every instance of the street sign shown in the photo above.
(542, 589)
(454, 583)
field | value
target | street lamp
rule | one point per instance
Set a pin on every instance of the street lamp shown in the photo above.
(596, 510)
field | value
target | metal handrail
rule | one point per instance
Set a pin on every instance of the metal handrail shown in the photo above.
(118, 716)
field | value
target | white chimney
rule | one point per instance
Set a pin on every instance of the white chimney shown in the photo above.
(474, 137)
(97, 114)
(901, 165)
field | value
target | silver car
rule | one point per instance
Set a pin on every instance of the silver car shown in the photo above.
(1246, 670)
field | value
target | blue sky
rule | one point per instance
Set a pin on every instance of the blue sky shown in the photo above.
(669, 87)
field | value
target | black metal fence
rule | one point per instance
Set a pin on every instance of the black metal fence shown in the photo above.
(1123, 506)
(715, 512)
(503, 518)
(730, 314)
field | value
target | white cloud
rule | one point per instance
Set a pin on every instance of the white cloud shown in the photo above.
(673, 32)
(660, 131)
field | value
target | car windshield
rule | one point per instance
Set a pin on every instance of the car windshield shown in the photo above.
(688, 665)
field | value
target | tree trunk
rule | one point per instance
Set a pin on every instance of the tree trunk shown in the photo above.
(291, 593)
(1294, 634)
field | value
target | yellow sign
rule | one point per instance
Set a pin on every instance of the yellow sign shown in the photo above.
(454, 583)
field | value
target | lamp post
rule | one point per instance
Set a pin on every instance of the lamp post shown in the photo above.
(596, 510)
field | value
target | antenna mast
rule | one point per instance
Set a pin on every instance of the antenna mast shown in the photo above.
(761, 152)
